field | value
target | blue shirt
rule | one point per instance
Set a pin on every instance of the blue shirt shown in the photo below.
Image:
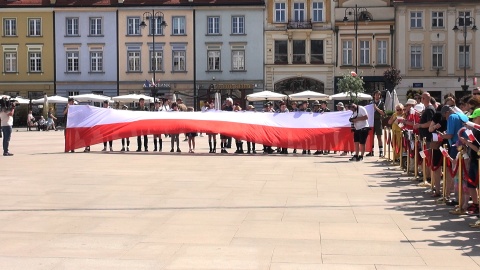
(454, 123)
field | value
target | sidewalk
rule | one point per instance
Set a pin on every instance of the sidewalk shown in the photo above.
(201, 211)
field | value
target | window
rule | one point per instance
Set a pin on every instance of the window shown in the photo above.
(133, 61)
(35, 61)
(299, 12)
(156, 58)
(281, 52)
(73, 93)
(178, 26)
(238, 60)
(95, 26)
(133, 26)
(415, 56)
(73, 61)
(464, 18)
(96, 61)
(316, 51)
(213, 61)
(437, 56)
(280, 12)
(72, 27)
(34, 27)
(9, 27)
(438, 19)
(299, 52)
(156, 27)
(464, 56)
(213, 25)
(364, 52)
(238, 25)
(347, 50)
(381, 52)
(416, 19)
(317, 11)
(179, 63)
(10, 62)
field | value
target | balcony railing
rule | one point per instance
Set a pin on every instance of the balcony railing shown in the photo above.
(299, 24)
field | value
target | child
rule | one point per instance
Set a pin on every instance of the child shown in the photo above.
(191, 136)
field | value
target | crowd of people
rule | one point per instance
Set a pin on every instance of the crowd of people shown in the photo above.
(443, 130)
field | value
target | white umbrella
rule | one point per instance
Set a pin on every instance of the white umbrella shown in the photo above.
(132, 98)
(91, 98)
(346, 96)
(218, 101)
(265, 95)
(4, 96)
(306, 95)
(174, 98)
(21, 100)
(52, 99)
(395, 101)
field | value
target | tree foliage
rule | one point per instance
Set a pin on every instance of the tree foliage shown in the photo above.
(352, 84)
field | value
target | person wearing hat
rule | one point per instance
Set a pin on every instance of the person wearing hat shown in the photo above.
(473, 148)
(127, 140)
(396, 130)
(316, 107)
(324, 107)
(340, 106)
(110, 143)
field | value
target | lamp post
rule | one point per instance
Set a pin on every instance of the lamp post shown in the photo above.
(156, 28)
(359, 14)
(471, 21)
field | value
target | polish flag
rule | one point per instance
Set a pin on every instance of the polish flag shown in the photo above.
(89, 125)
(444, 152)
(473, 125)
(423, 153)
(470, 135)
(436, 137)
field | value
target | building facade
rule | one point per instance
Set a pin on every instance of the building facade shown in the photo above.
(365, 41)
(229, 54)
(27, 49)
(430, 54)
(299, 46)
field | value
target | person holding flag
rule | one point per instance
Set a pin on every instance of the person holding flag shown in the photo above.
(473, 147)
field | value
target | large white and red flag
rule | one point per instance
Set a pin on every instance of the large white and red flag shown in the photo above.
(89, 125)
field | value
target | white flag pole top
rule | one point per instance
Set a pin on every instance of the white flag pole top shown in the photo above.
(422, 154)
(444, 152)
(473, 125)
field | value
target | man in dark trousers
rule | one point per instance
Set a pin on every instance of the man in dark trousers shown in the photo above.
(379, 108)
(142, 107)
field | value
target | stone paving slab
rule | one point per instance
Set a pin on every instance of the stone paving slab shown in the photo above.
(112, 210)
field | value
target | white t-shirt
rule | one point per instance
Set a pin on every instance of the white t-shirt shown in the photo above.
(6, 119)
(361, 112)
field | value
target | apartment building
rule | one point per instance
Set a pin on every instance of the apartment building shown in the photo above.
(365, 41)
(431, 55)
(299, 46)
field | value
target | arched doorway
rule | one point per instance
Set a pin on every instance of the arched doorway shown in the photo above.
(299, 84)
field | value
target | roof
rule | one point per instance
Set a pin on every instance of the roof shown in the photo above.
(419, 2)
(192, 3)
(130, 3)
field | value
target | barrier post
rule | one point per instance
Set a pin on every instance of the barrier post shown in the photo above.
(401, 151)
(389, 134)
(384, 140)
(415, 158)
(443, 200)
(424, 166)
(459, 210)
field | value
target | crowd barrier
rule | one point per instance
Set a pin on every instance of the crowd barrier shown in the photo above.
(416, 156)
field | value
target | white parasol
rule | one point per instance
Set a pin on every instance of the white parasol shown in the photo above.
(388, 102)
(21, 100)
(265, 95)
(132, 98)
(174, 98)
(306, 95)
(52, 99)
(346, 96)
(91, 98)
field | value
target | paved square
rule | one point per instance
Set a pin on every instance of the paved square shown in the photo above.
(184, 211)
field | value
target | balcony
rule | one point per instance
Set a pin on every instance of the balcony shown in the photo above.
(299, 25)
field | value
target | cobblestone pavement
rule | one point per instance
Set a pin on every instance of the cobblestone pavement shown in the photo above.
(150, 210)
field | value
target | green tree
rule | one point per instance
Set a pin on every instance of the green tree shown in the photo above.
(352, 84)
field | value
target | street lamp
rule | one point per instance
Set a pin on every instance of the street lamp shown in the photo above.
(156, 28)
(471, 21)
(359, 14)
